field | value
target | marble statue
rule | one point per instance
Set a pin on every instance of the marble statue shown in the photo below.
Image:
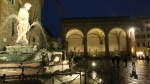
(23, 26)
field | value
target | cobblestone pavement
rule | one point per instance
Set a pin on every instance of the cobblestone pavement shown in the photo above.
(112, 74)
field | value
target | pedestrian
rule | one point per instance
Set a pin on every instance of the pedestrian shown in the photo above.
(133, 61)
(118, 60)
(147, 59)
(113, 60)
(126, 61)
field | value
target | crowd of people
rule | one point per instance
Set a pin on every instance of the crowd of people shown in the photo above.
(116, 60)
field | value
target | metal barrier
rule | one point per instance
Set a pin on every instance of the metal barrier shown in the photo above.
(102, 70)
(23, 79)
(55, 76)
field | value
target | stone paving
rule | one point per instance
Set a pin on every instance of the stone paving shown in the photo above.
(104, 72)
(112, 74)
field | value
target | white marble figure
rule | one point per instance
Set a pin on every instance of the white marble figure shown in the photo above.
(23, 25)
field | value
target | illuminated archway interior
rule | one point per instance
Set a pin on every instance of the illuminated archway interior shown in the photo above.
(95, 42)
(117, 41)
(74, 38)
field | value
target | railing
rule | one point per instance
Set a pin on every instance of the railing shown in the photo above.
(82, 76)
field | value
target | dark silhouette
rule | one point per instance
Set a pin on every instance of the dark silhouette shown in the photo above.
(147, 59)
(126, 61)
(118, 60)
(113, 60)
(133, 74)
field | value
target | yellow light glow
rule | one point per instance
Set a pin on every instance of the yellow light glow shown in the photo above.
(93, 64)
(139, 53)
(132, 29)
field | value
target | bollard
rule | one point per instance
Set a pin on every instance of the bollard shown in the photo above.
(22, 78)
(85, 77)
(37, 78)
(52, 80)
(4, 75)
(80, 76)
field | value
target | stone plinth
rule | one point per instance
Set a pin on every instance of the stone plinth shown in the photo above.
(18, 50)
(29, 68)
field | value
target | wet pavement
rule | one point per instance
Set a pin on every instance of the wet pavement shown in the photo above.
(107, 73)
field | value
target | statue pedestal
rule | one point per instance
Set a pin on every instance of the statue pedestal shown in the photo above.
(18, 50)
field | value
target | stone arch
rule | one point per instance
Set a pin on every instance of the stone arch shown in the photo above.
(74, 39)
(96, 42)
(117, 41)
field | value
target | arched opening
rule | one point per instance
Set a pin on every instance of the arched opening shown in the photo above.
(74, 39)
(95, 42)
(117, 42)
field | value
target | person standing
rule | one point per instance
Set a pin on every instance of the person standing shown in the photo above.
(133, 61)
(113, 60)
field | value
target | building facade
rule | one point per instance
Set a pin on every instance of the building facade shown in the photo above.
(100, 36)
(142, 35)
(8, 11)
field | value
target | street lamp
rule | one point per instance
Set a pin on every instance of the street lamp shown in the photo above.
(93, 64)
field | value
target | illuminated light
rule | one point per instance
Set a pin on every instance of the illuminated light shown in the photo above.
(56, 59)
(132, 29)
(132, 50)
(65, 62)
(94, 74)
(93, 64)
(139, 53)
(100, 80)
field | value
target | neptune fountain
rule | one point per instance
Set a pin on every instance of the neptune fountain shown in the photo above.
(22, 54)
(21, 50)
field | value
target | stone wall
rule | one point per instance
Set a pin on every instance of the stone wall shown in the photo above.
(6, 24)
(36, 9)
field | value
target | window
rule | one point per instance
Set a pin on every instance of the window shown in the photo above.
(143, 36)
(143, 44)
(140, 36)
(142, 29)
(13, 26)
(138, 44)
(148, 43)
(33, 39)
(147, 21)
(12, 1)
(137, 36)
(147, 28)
(148, 35)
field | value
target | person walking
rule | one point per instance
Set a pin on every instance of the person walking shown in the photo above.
(118, 60)
(133, 61)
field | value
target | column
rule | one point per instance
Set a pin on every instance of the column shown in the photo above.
(128, 45)
(85, 46)
(106, 45)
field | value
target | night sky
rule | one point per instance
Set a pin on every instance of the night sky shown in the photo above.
(51, 13)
